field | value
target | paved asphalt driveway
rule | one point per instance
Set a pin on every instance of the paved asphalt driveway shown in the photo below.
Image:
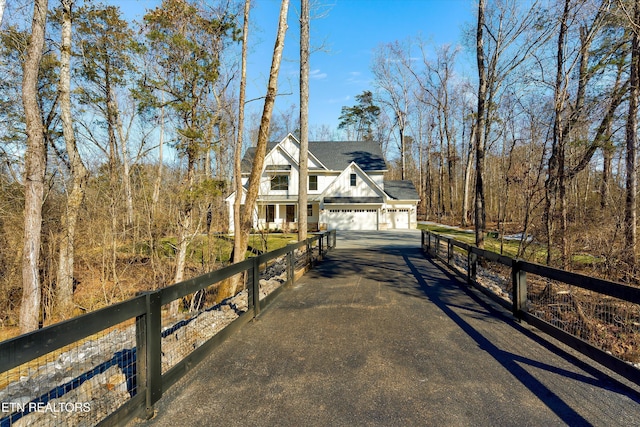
(377, 335)
(378, 240)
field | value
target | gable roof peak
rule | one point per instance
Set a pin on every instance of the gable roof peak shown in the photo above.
(292, 136)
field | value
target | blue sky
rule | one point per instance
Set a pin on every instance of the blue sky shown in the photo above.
(349, 31)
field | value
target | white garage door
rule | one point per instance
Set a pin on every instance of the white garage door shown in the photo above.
(398, 218)
(352, 219)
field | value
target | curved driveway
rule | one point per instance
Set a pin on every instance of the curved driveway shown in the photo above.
(378, 335)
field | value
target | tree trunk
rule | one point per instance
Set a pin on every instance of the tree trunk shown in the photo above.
(480, 216)
(64, 281)
(556, 160)
(263, 131)
(450, 155)
(403, 155)
(304, 120)
(113, 176)
(243, 227)
(239, 250)
(35, 167)
(607, 155)
(185, 222)
(428, 179)
(630, 214)
(2, 5)
(467, 178)
(126, 167)
(158, 181)
(442, 209)
(155, 197)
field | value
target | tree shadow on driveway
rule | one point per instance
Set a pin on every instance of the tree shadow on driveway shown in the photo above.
(434, 290)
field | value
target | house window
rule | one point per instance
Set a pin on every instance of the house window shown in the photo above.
(309, 210)
(280, 182)
(313, 182)
(353, 179)
(270, 213)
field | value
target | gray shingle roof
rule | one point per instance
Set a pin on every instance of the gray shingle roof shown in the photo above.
(247, 160)
(335, 155)
(401, 190)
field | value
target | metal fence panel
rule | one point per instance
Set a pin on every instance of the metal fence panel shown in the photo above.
(106, 366)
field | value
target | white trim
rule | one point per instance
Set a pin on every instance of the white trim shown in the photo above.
(295, 161)
(372, 184)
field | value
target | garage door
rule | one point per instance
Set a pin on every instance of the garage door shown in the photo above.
(398, 218)
(352, 219)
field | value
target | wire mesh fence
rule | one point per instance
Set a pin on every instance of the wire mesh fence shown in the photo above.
(273, 274)
(79, 384)
(608, 323)
(199, 317)
(605, 315)
(90, 369)
(495, 277)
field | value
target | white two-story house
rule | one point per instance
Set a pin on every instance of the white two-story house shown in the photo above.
(346, 189)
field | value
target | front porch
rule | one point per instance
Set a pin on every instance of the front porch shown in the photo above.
(284, 216)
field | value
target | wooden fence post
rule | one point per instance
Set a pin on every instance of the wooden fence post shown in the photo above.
(472, 266)
(254, 295)
(519, 284)
(149, 351)
(290, 267)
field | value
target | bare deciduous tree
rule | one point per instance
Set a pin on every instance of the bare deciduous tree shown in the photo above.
(303, 159)
(79, 174)
(244, 226)
(395, 83)
(571, 110)
(35, 167)
(480, 215)
(630, 212)
(238, 249)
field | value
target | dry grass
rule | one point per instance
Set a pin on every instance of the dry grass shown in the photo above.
(136, 271)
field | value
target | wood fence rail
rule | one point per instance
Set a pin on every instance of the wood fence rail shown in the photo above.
(148, 383)
(443, 248)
